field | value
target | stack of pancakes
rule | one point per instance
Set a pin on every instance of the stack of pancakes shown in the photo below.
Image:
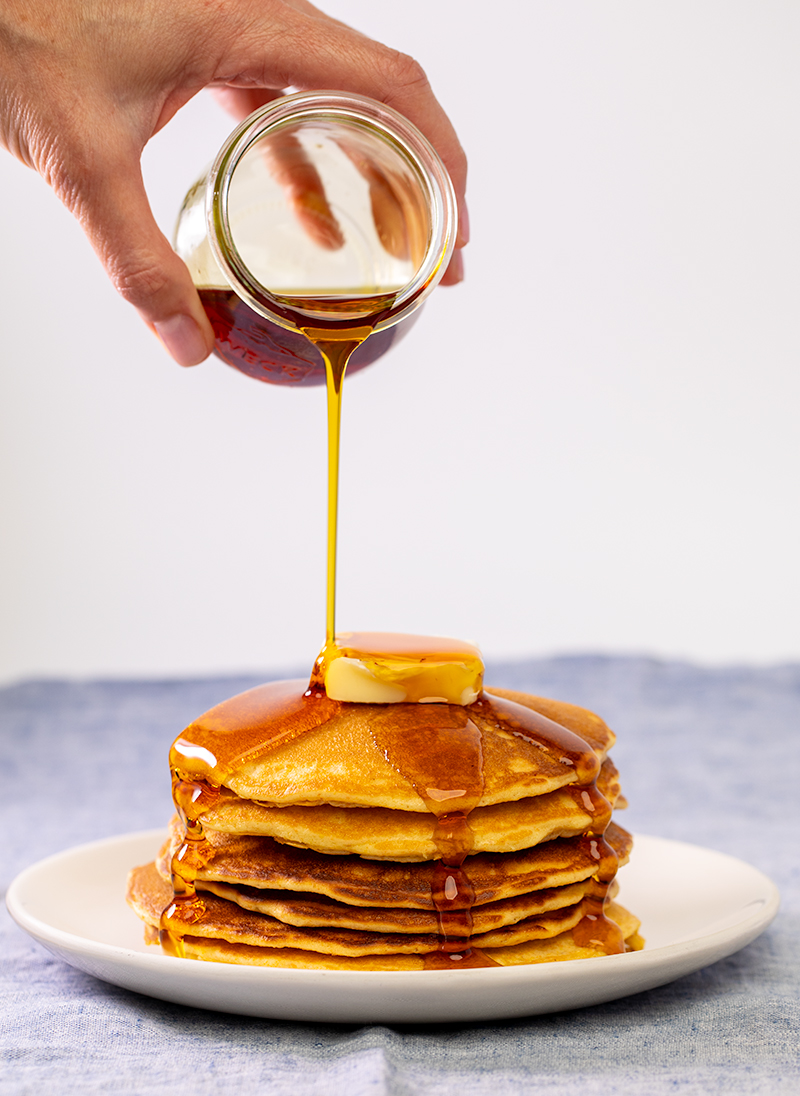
(389, 837)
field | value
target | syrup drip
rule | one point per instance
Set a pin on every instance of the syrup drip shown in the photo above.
(192, 799)
(595, 930)
(336, 339)
(438, 749)
(336, 356)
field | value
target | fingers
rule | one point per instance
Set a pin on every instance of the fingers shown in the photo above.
(116, 216)
(411, 95)
(240, 102)
(455, 271)
(92, 89)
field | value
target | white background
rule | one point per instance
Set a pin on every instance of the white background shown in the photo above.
(591, 445)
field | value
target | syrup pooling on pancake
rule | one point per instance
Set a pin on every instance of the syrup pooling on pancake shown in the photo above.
(248, 726)
(550, 737)
(437, 748)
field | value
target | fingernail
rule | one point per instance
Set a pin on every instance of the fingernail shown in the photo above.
(183, 339)
(463, 226)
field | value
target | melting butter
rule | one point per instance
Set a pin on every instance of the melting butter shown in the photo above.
(388, 668)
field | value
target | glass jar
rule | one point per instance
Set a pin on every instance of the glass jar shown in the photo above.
(322, 210)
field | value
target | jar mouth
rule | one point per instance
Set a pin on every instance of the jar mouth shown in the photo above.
(414, 190)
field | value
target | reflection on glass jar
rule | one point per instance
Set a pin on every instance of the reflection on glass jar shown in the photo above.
(322, 213)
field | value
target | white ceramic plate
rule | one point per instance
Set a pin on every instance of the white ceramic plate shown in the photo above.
(696, 906)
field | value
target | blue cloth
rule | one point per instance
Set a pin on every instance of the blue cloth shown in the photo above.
(710, 756)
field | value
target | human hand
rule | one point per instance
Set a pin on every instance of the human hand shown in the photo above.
(84, 85)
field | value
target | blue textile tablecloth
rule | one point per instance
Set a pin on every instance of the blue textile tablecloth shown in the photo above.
(710, 756)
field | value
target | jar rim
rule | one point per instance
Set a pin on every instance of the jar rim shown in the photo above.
(357, 110)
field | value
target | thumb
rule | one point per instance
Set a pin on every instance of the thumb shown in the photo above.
(116, 216)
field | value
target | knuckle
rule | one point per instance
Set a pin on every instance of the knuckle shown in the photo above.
(405, 72)
(137, 278)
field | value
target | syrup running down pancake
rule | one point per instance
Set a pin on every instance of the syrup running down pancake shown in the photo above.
(344, 834)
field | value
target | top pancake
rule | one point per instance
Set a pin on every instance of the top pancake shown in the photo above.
(392, 756)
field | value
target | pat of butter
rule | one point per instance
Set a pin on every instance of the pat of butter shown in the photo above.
(386, 668)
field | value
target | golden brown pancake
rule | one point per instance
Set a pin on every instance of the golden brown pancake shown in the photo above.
(557, 949)
(224, 920)
(308, 911)
(379, 833)
(261, 862)
(343, 763)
